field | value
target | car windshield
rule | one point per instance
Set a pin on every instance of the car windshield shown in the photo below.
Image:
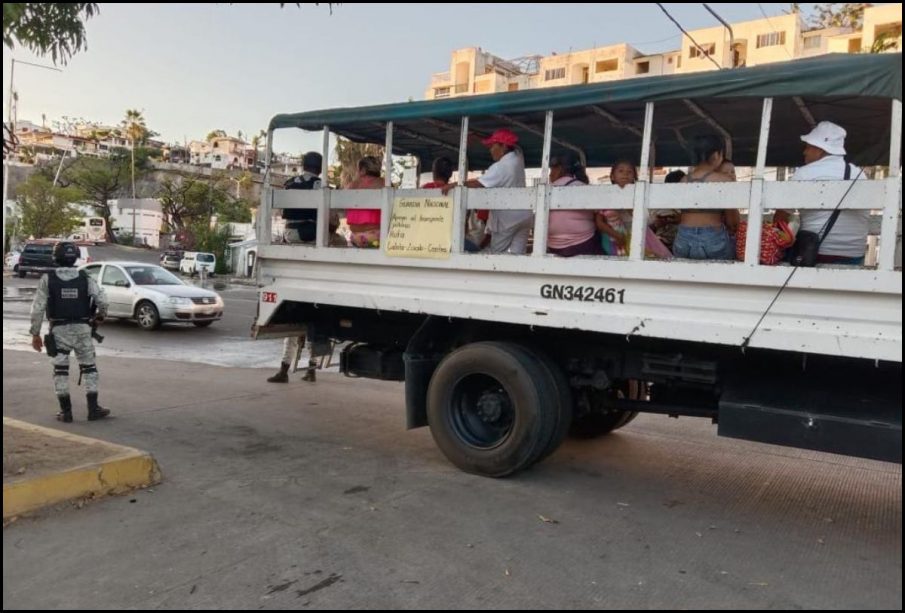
(205, 257)
(151, 275)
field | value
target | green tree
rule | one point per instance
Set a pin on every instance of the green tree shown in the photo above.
(48, 27)
(838, 15)
(234, 210)
(348, 154)
(187, 201)
(46, 209)
(212, 240)
(100, 180)
(215, 134)
(256, 141)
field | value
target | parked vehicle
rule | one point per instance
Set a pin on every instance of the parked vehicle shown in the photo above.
(151, 295)
(196, 262)
(171, 259)
(12, 261)
(37, 257)
(503, 354)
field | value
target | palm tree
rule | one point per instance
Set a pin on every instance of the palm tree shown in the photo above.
(256, 144)
(134, 127)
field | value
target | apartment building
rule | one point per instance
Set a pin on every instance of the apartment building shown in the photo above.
(750, 43)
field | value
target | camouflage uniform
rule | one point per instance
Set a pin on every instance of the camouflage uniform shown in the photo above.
(70, 337)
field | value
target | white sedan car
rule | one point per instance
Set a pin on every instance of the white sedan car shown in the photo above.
(152, 295)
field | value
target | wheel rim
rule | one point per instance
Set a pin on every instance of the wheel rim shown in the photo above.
(482, 414)
(146, 316)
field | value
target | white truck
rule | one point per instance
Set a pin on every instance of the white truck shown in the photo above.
(503, 355)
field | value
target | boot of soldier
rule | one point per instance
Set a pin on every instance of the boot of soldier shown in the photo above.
(311, 373)
(282, 376)
(95, 411)
(65, 414)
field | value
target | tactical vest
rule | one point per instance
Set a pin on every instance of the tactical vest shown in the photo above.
(68, 301)
(298, 216)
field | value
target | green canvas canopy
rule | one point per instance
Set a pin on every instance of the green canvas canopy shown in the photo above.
(605, 120)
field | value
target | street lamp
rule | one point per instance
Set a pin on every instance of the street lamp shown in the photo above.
(12, 128)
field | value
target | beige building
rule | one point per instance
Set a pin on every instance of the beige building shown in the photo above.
(749, 43)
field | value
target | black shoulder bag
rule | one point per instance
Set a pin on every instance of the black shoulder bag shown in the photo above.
(807, 244)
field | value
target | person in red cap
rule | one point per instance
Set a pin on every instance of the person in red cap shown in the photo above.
(509, 230)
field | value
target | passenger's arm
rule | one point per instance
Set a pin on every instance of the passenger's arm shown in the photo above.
(781, 216)
(607, 229)
(469, 183)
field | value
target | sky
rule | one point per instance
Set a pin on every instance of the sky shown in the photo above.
(193, 68)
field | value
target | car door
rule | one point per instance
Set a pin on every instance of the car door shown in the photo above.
(118, 288)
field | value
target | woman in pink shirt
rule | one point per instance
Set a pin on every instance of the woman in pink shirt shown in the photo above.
(365, 223)
(571, 232)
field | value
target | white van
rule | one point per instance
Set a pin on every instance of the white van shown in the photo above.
(194, 262)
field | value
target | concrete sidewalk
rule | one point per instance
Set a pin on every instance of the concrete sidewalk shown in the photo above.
(45, 466)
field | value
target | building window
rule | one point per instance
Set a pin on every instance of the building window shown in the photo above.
(812, 42)
(707, 49)
(642, 68)
(513, 87)
(772, 39)
(555, 73)
(607, 66)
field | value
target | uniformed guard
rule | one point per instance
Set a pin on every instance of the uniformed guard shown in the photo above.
(73, 303)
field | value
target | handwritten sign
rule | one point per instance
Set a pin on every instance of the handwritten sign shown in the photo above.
(421, 228)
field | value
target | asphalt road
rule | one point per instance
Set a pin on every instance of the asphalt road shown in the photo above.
(300, 495)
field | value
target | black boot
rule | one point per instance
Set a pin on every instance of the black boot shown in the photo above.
(65, 414)
(282, 376)
(95, 411)
(311, 373)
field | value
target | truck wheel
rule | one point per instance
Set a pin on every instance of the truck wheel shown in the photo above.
(492, 408)
(147, 316)
(566, 404)
(602, 420)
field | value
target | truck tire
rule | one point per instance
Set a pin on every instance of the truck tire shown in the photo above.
(566, 407)
(601, 420)
(492, 408)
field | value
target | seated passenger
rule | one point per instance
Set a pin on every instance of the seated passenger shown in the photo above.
(665, 223)
(616, 225)
(441, 170)
(476, 237)
(301, 224)
(509, 230)
(705, 234)
(571, 233)
(824, 148)
(365, 223)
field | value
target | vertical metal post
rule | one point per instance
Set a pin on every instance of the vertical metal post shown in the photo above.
(542, 200)
(322, 236)
(890, 230)
(265, 211)
(388, 186)
(756, 196)
(639, 215)
(460, 197)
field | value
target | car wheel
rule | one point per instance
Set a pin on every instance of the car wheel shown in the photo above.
(202, 324)
(21, 273)
(147, 316)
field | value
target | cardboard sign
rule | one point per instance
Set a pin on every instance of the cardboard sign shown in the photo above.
(421, 228)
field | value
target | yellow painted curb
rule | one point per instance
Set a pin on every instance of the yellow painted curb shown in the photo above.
(126, 470)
